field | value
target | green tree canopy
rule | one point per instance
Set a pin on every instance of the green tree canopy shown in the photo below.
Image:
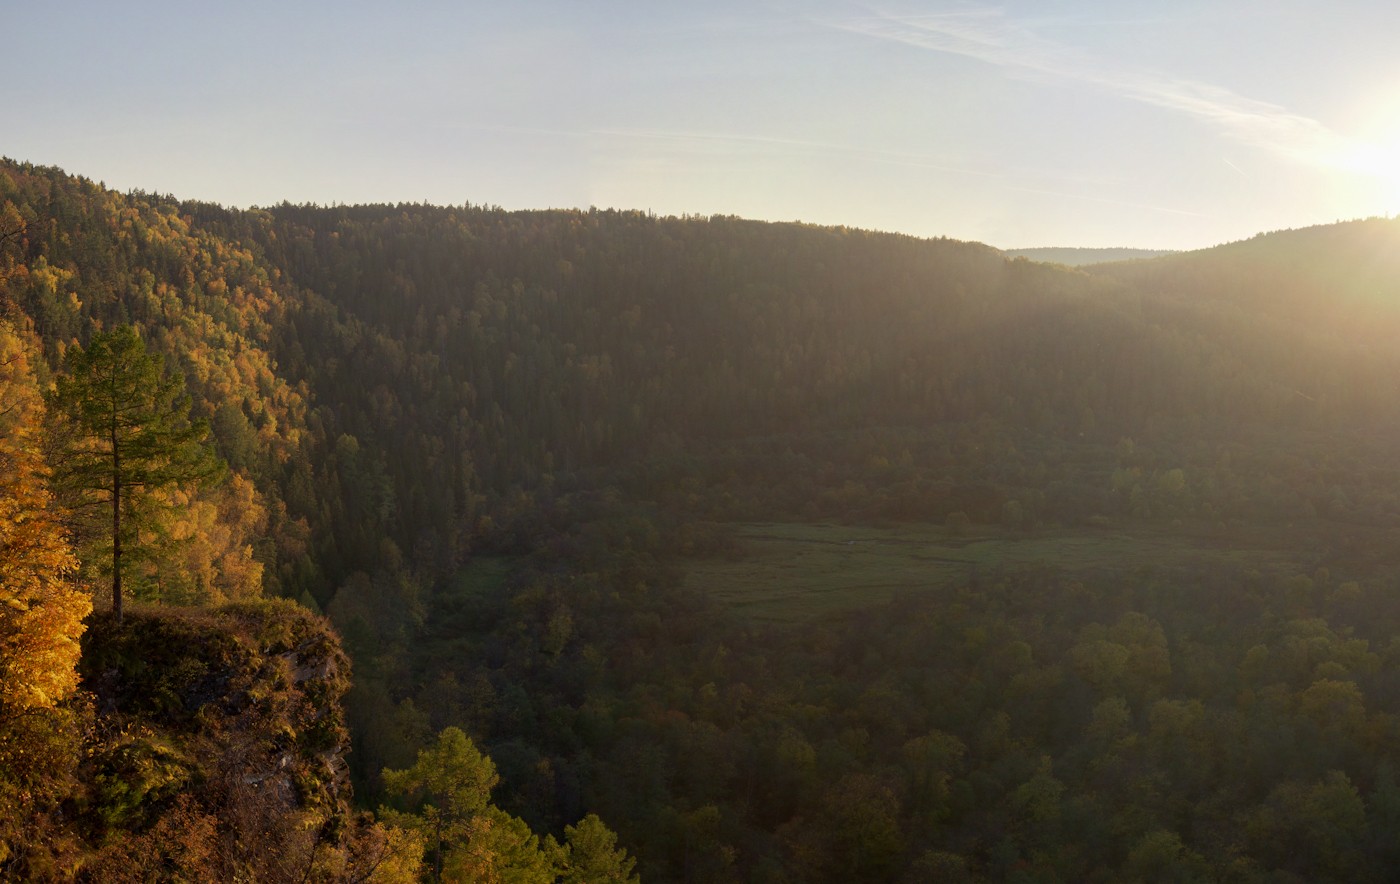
(473, 840)
(593, 857)
(452, 780)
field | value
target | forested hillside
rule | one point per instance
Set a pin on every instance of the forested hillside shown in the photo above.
(530, 465)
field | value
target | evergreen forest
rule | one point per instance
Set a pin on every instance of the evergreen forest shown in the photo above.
(402, 542)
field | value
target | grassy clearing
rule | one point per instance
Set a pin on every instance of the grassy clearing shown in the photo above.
(482, 577)
(460, 610)
(789, 572)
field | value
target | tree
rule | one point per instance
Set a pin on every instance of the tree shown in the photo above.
(12, 226)
(40, 611)
(593, 857)
(473, 840)
(123, 435)
(207, 551)
(41, 619)
(454, 781)
(501, 849)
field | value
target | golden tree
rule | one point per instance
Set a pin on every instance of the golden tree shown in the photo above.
(41, 611)
(41, 620)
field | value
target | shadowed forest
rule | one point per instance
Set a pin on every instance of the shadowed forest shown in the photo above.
(775, 552)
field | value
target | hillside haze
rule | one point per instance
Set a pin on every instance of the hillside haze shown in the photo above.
(1078, 257)
(796, 553)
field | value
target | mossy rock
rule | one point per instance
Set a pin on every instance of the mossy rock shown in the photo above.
(248, 693)
(132, 780)
(164, 667)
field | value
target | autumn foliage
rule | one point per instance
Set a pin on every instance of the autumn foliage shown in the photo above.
(41, 610)
(41, 620)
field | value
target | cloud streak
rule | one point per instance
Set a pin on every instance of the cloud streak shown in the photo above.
(990, 36)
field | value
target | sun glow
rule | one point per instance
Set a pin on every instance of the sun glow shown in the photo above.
(1380, 162)
(1376, 155)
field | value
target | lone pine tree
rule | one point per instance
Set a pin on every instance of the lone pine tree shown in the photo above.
(122, 434)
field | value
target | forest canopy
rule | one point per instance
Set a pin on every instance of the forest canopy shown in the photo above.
(743, 551)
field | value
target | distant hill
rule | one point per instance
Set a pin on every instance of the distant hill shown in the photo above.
(1079, 257)
(1338, 281)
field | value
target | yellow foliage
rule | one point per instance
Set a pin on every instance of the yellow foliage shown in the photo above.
(402, 858)
(211, 533)
(41, 611)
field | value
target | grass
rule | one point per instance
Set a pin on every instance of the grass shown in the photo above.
(482, 577)
(787, 572)
(462, 609)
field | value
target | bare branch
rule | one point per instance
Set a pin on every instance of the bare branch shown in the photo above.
(13, 233)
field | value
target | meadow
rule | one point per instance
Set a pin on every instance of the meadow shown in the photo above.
(782, 573)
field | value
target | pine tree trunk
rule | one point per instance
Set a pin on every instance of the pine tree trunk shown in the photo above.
(116, 528)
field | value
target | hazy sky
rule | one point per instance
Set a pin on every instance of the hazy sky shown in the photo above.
(1165, 124)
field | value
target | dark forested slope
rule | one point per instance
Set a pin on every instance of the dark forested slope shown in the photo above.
(395, 373)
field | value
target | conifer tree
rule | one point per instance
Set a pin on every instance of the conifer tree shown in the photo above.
(454, 781)
(593, 857)
(122, 434)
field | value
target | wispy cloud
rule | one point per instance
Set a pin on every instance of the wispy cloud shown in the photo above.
(990, 36)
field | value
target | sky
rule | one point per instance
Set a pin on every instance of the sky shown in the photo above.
(1019, 124)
